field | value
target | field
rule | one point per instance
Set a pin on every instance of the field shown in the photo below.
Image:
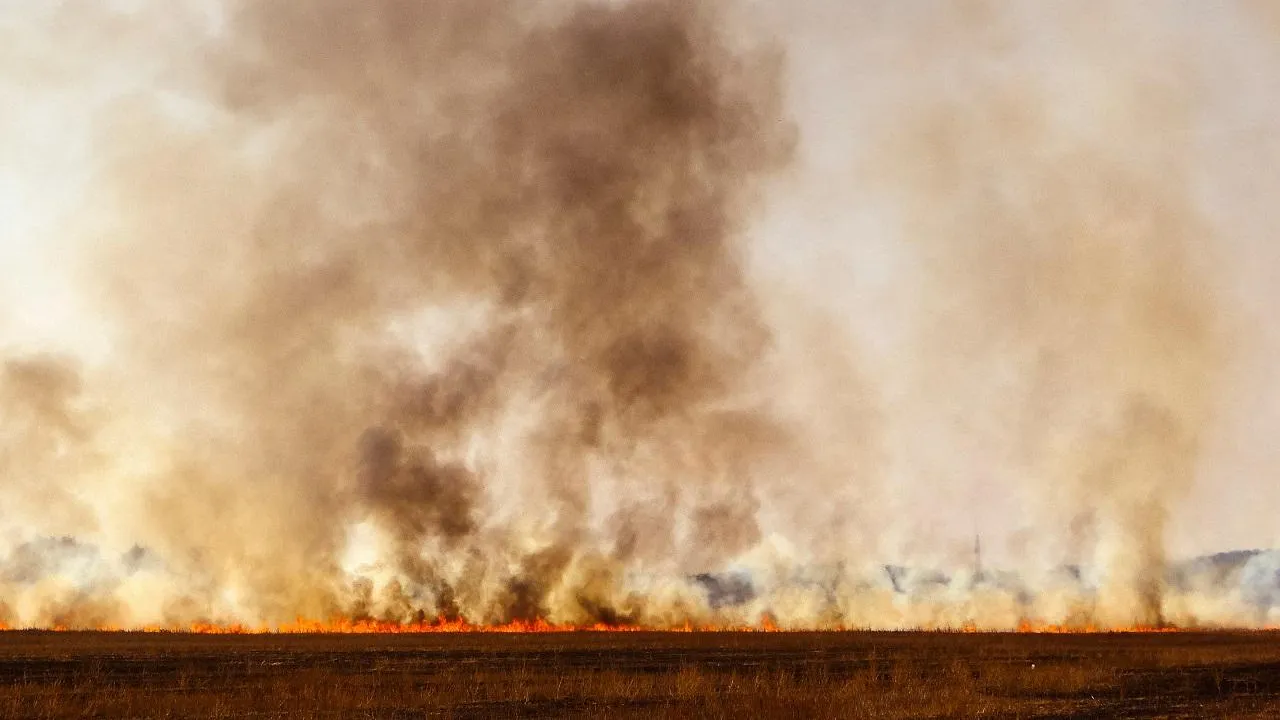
(728, 675)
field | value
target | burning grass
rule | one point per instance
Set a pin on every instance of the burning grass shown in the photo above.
(638, 674)
(365, 626)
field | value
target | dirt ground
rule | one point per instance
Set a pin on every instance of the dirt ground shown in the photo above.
(727, 675)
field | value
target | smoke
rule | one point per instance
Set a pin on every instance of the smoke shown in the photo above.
(1077, 263)
(46, 437)
(473, 293)
(458, 309)
(1074, 270)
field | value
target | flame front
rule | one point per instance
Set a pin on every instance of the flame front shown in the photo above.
(347, 626)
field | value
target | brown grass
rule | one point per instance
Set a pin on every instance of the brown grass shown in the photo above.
(716, 675)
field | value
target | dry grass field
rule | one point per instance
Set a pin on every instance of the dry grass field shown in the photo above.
(716, 675)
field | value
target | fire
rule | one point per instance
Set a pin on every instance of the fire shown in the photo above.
(1028, 626)
(304, 626)
(348, 626)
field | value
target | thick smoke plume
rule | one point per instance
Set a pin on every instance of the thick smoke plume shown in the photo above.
(467, 273)
(452, 309)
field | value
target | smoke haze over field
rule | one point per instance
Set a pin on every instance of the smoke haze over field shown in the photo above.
(646, 312)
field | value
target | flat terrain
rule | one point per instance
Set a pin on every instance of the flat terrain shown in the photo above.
(729, 675)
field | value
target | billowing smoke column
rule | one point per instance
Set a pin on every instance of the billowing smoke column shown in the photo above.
(464, 273)
(444, 310)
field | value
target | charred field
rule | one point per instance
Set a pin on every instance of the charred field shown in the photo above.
(640, 674)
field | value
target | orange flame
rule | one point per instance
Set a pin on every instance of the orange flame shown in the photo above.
(765, 623)
(346, 626)
(1028, 626)
(304, 626)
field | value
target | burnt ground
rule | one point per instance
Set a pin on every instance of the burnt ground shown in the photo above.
(838, 674)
